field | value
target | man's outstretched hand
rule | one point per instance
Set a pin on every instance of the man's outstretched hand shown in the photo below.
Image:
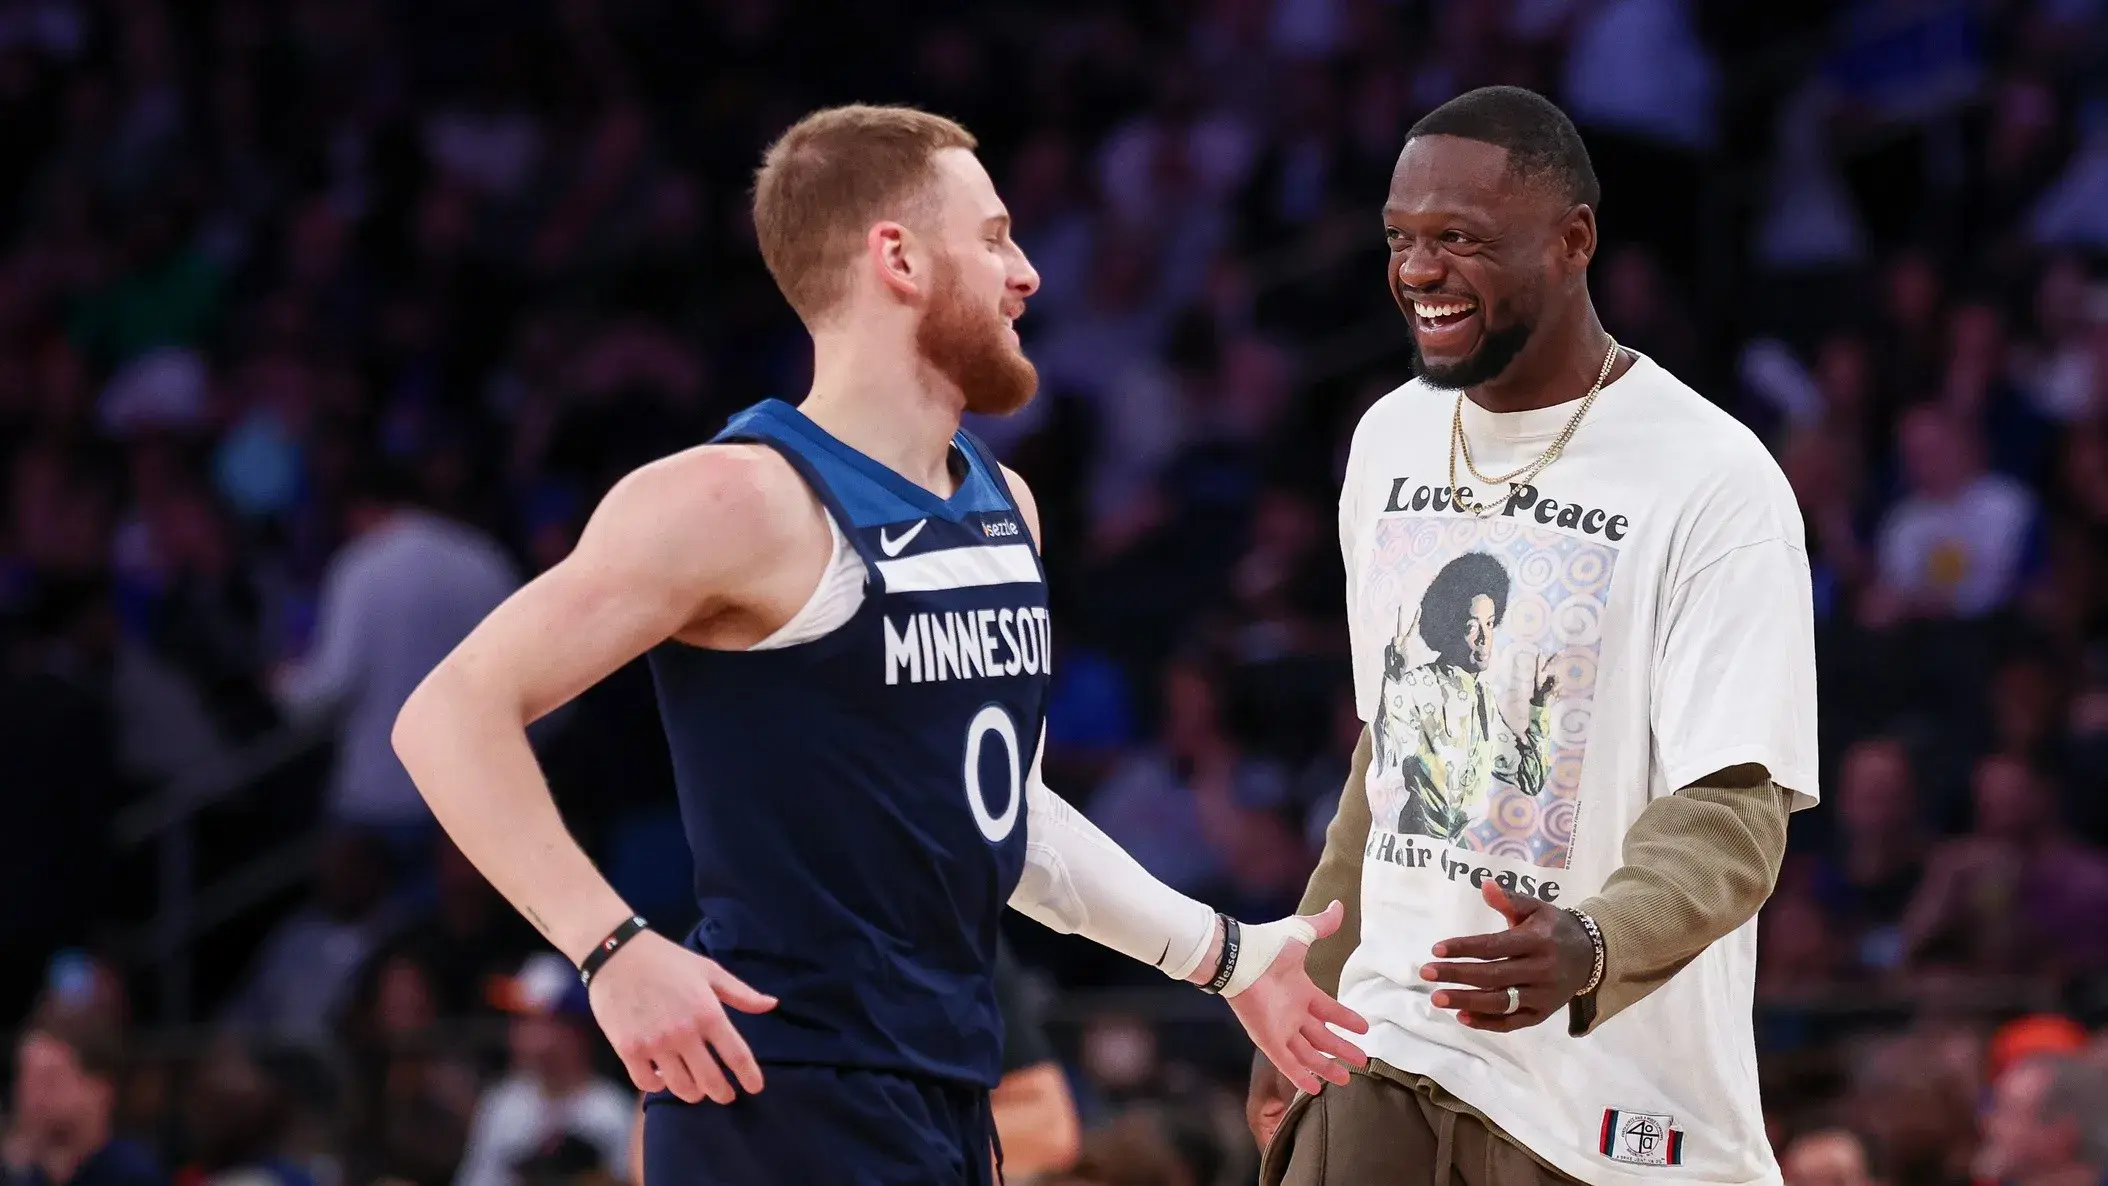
(1289, 1019)
(1545, 955)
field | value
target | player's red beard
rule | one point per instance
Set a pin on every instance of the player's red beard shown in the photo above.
(964, 340)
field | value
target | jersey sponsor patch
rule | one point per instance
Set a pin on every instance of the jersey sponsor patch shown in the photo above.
(1640, 1138)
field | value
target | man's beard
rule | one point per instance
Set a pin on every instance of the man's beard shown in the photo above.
(1497, 350)
(966, 343)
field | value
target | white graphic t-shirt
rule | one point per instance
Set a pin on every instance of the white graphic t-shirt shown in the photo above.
(1636, 619)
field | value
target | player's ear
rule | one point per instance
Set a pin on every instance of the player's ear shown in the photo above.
(1577, 241)
(889, 250)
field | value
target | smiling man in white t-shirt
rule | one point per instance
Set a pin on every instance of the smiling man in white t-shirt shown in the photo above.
(1584, 651)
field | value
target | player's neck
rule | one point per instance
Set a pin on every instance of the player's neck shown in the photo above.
(887, 404)
(1559, 365)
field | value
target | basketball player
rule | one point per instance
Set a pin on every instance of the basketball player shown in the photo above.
(1656, 558)
(846, 620)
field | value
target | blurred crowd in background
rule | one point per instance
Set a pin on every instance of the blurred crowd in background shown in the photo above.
(325, 323)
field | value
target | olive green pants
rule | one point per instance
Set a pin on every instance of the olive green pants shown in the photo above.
(1379, 1131)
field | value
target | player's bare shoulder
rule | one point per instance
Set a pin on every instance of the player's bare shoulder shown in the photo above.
(731, 527)
(1027, 503)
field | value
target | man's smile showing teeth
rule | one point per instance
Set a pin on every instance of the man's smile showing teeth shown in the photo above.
(1438, 314)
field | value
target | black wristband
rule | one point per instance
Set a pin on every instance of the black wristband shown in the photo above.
(631, 927)
(1227, 966)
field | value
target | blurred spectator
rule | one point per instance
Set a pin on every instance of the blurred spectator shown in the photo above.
(1637, 306)
(1199, 813)
(236, 1115)
(407, 1119)
(89, 988)
(65, 1097)
(551, 1094)
(203, 608)
(1644, 87)
(1809, 226)
(1908, 348)
(1798, 951)
(1179, 158)
(2018, 896)
(2034, 1036)
(1882, 843)
(2047, 1125)
(1915, 1107)
(1141, 423)
(2063, 372)
(1829, 1157)
(1956, 546)
(1110, 336)
(1121, 1054)
(1979, 392)
(1133, 1151)
(407, 588)
(2071, 211)
(1826, 485)
(1282, 589)
(2028, 712)
(305, 973)
(469, 936)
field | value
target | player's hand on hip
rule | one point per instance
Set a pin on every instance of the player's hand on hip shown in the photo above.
(1545, 955)
(662, 1008)
(1291, 1022)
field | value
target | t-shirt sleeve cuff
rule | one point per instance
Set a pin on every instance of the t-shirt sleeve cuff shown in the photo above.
(1692, 771)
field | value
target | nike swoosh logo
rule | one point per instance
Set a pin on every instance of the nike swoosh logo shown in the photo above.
(893, 547)
(1166, 954)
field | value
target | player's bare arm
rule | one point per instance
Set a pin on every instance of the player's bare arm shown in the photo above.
(1078, 881)
(715, 546)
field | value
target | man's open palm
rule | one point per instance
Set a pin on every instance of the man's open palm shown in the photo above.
(1289, 1019)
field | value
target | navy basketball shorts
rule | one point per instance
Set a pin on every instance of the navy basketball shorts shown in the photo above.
(814, 1125)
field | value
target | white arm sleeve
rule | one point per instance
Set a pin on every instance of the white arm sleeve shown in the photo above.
(1078, 882)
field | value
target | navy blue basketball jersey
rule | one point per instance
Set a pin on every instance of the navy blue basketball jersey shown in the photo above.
(856, 803)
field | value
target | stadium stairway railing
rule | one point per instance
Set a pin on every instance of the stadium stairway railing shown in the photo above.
(196, 893)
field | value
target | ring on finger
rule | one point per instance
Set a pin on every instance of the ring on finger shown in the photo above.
(1514, 1000)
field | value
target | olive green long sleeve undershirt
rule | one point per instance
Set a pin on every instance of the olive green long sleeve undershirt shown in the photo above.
(1697, 864)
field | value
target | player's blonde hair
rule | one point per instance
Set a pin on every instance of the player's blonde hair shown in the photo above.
(825, 181)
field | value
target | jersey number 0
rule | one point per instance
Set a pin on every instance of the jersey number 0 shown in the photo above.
(993, 718)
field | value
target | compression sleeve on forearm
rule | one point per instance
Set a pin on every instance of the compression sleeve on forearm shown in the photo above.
(1338, 874)
(1079, 882)
(1698, 864)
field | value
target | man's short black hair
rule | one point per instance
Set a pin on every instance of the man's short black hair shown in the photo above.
(1542, 143)
(1445, 609)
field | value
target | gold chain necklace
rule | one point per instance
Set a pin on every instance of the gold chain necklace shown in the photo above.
(1521, 476)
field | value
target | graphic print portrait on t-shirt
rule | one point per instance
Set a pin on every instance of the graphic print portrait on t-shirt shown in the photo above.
(1488, 680)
